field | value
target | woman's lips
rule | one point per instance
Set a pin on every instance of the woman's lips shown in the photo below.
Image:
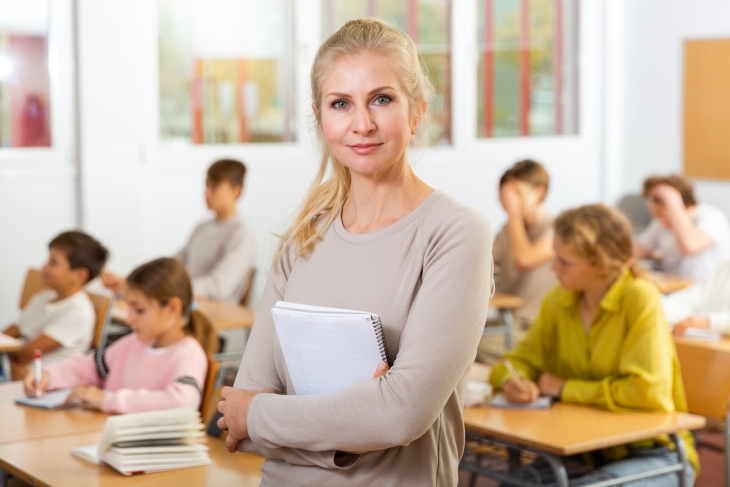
(364, 149)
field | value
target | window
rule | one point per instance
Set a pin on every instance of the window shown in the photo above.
(225, 71)
(428, 22)
(25, 101)
(527, 71)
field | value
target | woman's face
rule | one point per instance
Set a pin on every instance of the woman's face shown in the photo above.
(365, 114)
(574, 272)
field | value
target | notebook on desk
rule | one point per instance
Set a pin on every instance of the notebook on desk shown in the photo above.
(328, 349)
(702, 334)
(499, 401)
(50, 401)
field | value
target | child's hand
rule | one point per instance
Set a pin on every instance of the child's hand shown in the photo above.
(521, 391)
(35, 390)
(511, 201)
(91, 397)
(382, 369)
(112, 281)
(691, 322)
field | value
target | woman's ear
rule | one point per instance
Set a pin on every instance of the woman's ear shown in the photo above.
(419, 117)
(316, 112)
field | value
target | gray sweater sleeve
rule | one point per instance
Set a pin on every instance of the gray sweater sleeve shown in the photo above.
(437, 346)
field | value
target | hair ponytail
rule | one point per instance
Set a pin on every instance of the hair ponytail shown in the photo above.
(200, 328)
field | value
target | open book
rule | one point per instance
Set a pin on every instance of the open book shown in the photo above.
(328, 349)
(149, 442)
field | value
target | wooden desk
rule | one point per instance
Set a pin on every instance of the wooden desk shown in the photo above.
(223, 316)
(567, 429)
(668, 283)
(22, 423)
(7, 344)
(48, 462)
(504, 303)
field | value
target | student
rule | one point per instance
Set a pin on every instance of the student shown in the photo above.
(221, 252)
(688, 239)
(522, 250)
(601, 340)
(370, 236)
(706, 304)
(60, 322)
(161, 365)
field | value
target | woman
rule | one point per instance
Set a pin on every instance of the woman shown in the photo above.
(370, 236)
(601, 340)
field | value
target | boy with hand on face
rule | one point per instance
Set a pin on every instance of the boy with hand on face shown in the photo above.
(220, 252)
(688, 238)
(60, 322)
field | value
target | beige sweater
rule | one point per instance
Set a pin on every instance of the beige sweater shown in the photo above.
(429, 278)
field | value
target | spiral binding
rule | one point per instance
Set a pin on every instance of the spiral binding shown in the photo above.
(380, 336)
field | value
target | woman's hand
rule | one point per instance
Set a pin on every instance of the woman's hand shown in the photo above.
(234, 407)
(36, 390)
(521, 391)
(91, 397)
(691, 322)
(381, 370)
(550, 385)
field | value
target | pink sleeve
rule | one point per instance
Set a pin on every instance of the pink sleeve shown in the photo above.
(75, 371)
(185, 386)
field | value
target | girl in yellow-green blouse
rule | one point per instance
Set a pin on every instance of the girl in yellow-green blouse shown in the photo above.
(601, 340)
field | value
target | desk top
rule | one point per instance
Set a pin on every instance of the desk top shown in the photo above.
(48, 461)
(9, 344)
(722, 345)
(567, 429)
(506, 301)
(668, 283)
(21, 423)
(222, 315)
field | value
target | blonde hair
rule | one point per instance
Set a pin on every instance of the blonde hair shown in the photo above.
(331, 185)
(600, 235)
(166, 278)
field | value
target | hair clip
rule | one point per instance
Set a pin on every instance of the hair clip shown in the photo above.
(193, 305)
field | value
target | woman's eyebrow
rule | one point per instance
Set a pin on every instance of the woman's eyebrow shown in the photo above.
(371, 92)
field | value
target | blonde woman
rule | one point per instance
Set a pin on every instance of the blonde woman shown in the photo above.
(601, 340)
(370, 236)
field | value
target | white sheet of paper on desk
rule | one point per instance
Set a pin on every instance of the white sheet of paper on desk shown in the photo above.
(49, 400)
(543, 402)
(702, 334)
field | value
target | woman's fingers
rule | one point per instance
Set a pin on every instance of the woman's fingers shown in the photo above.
(381, 370)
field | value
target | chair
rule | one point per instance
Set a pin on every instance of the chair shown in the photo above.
(706, 376)
(246, 297)
(209, 400)
(33, 285)
(103, 310)
(635, 209)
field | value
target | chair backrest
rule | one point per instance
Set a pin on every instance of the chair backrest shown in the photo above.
(635, 209)
(103, 309)
(705, 370)
(33, 285)
(246, 297)
(209, 401)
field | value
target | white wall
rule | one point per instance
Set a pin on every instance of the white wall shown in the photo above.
(655, 33)
(142, 200)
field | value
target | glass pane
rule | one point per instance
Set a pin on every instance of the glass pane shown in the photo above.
(225, 71)
(526, 74)
(428, 23)
(25, 102)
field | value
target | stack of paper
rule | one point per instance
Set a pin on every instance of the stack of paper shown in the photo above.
(50, 400)
(150, 442)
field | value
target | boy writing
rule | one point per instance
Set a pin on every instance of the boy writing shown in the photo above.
(60, 322)
(220, 252)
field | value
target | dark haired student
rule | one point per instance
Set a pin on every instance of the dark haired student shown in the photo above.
(60, 321)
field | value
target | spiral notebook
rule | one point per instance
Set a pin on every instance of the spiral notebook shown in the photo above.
(328, 349)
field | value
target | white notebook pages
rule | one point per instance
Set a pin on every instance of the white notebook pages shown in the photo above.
(328, 349)
(50, 400)
(149, 442)
(702, 334)
(499, 401)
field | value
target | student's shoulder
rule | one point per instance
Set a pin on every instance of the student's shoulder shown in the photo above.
(189, 350)
(41, 298)
(641, 294)
(445, 217)
(711, 216)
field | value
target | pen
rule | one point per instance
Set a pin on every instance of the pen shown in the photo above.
(511, 369)
(38, 371)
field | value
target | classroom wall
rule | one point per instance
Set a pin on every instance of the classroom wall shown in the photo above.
(142, 201)
(655, 33)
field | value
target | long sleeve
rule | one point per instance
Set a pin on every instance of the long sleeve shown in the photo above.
(127, 400)
(437, 346)
(237, 257)
(80, 370)
(707, 298)
(644, 380)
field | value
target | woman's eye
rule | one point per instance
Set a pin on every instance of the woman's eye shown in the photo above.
(382, 100)
(339, 104)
